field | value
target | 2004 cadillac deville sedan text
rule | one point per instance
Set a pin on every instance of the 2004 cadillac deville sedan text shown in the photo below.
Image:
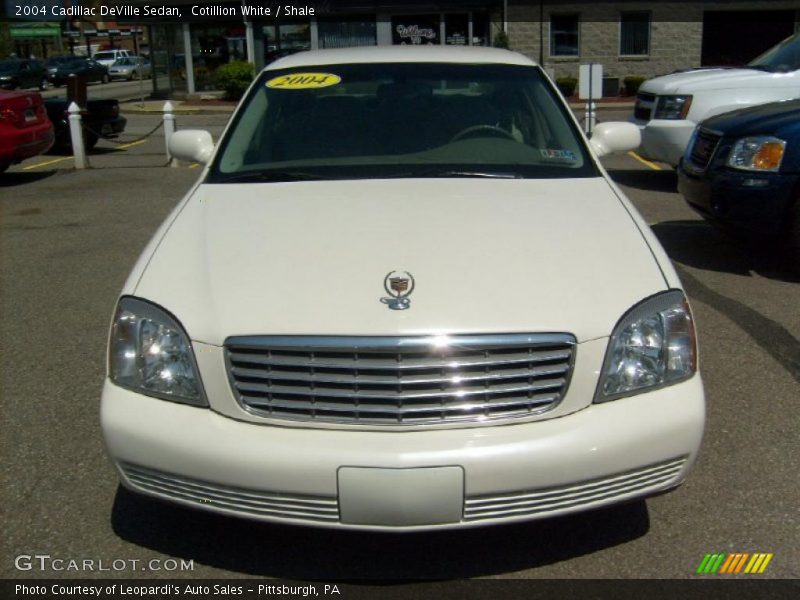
(403, 295)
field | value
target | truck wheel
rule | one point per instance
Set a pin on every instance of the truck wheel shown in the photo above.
(90, 140)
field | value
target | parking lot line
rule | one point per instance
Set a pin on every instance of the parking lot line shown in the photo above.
(652, 165)
(63, 158)
(47, 162)
(131, 145)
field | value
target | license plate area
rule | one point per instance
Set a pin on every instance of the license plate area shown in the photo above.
(401, 497)
(30, 115)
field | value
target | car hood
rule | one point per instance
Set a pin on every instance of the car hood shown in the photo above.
(763, 119)
(689, 82)
(486, 255)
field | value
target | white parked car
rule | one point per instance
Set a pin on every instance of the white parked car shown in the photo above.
(669, 108)
(403, 294)
(109, 57)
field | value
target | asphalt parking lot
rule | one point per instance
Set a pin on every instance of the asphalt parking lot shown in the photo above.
(67, 241)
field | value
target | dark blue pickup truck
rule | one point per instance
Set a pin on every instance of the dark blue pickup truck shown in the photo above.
(742, 169)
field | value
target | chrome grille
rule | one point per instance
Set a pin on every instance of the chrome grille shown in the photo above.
(533, 502)
(702, 150)
(644, 106)
(240, 500)
(400, 380)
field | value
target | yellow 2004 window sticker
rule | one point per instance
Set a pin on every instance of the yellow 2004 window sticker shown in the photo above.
(303, 81)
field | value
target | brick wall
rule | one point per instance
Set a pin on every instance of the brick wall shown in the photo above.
(676, 33)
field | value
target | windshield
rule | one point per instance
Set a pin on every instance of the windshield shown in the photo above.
(104, 56)
(401, 120)
(781, 58)
(123, 62)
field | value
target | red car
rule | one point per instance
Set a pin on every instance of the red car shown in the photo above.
(25, 130)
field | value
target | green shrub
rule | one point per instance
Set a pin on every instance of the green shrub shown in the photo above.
(234, 77)
(500, 40)
(632, 83)
(566, 85)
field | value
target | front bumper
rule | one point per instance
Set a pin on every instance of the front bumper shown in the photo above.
(755, 202)
(19, 144)
(664, 140)
(405, 480)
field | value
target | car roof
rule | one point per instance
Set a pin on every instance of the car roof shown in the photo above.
(401, 54)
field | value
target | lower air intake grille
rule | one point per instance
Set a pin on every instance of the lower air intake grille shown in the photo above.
(702, 149)
(534, 502)
(400, 380)
(240, 500)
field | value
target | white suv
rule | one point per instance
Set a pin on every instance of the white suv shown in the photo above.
(109, 57)
(403, 294)
(668, 108)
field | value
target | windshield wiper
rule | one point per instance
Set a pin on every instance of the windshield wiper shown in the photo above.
(760, 68)
(272, 177)
(459, 173)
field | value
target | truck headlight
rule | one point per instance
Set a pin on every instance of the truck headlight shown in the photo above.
(672, 107)
(150, 353)
(653, 345)
(757, 153)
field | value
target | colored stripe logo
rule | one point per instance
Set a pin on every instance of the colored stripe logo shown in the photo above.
(720, 563)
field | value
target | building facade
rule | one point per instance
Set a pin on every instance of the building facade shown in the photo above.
(628, 37)
(631, 37)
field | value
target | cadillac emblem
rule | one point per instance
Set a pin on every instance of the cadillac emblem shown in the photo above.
(399, 285)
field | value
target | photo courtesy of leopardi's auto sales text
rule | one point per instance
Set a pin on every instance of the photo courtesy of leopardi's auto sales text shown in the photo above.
(378, 299)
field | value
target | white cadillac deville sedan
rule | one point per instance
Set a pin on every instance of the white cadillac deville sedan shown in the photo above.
(403, 295)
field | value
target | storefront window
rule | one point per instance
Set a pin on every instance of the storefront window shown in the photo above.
(168, 60)
(480, 29)
(415, 29)
(355, 31)
(456, 30)
(213, 46)
(284, 39)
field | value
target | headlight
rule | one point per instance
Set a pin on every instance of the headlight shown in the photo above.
(757, 153)
(653, 345)
(672, 107)
(150, 353)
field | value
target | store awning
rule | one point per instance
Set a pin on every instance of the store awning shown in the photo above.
(27, 31)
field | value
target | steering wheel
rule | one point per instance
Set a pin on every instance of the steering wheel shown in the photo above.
(485, 128)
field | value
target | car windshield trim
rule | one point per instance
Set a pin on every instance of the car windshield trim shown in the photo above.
(781, 58)
(481, 146)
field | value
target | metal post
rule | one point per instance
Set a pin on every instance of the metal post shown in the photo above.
(76, 136)
(250, 42)
(589, 125)
(169, 129)
(589, 117)
(314, 30)
(188, 59)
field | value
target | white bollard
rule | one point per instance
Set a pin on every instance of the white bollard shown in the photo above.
(76, 136)
(169, 129)
(590, 118)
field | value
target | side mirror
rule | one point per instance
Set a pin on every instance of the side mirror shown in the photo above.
(615, 136)
(191, 145)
